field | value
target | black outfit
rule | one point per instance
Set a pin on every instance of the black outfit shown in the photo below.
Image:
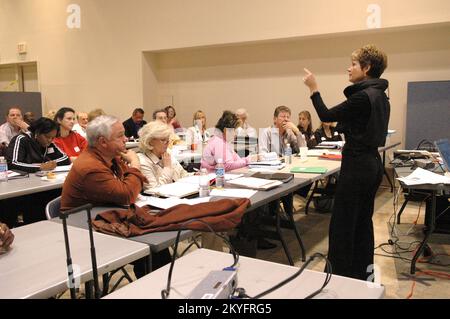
(364, 118)
(310, 138)
(26, 154)
(320, 135)
(131, 128)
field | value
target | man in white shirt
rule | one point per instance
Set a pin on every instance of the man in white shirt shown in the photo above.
(80, 127)
(244, 128)
(14, 124)
(281, 133)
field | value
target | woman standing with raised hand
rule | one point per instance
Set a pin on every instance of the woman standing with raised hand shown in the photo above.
(364, 117)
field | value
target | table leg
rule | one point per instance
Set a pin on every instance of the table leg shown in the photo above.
(428, 233)
(386, 173)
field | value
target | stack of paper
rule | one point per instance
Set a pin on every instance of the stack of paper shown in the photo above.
(271, 165)
(255, 183)
(422, 176)
(331, 144)
(319, 152)
(176, 189)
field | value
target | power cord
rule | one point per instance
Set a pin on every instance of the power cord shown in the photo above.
(165, 292)
(241, 292)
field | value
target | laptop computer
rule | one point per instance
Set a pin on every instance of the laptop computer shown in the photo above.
(443, 147)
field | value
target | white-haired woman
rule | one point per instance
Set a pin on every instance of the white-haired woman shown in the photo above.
(156, 163)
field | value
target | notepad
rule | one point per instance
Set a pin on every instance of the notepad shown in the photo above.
(336, 157)
(255, 183)
(312, 170)
(174, 190)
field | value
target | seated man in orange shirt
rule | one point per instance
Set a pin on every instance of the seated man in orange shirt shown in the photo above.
(106, 173)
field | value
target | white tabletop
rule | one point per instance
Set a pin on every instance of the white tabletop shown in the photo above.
(35, 267)
(254, 275)
(28, 185)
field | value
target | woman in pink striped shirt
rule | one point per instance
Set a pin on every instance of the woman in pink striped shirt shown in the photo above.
(220, 146)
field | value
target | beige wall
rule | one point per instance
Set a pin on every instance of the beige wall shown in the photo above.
(260, 77)
(101, 64)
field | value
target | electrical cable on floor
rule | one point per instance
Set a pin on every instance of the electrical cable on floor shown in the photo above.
(436, 274)
(165, 292)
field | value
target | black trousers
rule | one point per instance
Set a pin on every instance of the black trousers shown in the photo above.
(351, 239)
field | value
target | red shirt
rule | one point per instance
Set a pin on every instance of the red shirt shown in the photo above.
(73, 144)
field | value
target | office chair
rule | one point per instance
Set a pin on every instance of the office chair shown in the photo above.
(51, 211)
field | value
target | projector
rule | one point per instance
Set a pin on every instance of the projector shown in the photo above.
(217, 285)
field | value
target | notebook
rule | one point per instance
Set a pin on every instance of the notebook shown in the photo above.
(312, 170)
(174, 190)
(255, 183)
(284, 177)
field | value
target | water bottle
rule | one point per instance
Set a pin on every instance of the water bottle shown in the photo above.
(288, 154)
(3, 169)
(203, 183)
(220, 174)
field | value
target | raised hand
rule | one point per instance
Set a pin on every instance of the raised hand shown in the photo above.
(310, 81)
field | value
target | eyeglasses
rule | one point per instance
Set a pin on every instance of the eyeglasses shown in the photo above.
(163, 140)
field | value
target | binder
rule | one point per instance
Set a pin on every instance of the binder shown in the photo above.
(255, 183)
(283, 177)
(311, 170)
(336, 157)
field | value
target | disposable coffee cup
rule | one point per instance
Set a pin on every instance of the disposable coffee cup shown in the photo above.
(303, 153)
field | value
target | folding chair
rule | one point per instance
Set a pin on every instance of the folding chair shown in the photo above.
(52, 210)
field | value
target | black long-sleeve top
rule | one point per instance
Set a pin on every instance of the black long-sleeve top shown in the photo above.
(26, 154)
(363, 117)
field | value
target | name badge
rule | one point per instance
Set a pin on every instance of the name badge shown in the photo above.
(50, 150)
(77, 149)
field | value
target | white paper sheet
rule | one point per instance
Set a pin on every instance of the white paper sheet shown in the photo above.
(422, 176)
(176, 189)
(233, 192)
(166, 203)
(62, 168)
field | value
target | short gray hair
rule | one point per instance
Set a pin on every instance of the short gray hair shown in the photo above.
(100, 126)
(155, 129)
(242, 112)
